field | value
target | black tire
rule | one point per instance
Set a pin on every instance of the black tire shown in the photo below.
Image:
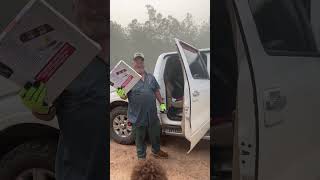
(121, 110)
(28, 156)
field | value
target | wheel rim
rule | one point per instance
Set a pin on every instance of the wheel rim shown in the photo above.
(121, 126)
(36, 174)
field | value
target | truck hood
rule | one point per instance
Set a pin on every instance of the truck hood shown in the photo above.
(112, 89)
(7, 87)
(114, 97)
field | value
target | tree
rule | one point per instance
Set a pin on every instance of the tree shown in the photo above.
(118, 42)
(155, 36)
(203, 40)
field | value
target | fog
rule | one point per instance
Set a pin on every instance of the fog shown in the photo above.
(150, 27)
(123, 11)
(152, 39)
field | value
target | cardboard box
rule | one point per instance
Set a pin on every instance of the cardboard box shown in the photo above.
(42, 45)
(122, 75)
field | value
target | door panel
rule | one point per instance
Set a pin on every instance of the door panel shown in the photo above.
(196, 119)
(286, 87)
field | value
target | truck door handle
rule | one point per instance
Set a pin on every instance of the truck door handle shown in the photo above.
(195, 93)
(274, 101)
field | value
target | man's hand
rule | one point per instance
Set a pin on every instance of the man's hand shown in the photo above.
(33, 95)
(163, 108)
(121, 93)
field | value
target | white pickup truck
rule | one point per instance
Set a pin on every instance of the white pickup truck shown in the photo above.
(266, 63)
(184, 79)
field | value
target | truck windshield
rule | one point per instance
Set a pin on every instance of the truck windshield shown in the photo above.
(288, 27)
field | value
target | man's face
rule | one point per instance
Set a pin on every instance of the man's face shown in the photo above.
(138, 65)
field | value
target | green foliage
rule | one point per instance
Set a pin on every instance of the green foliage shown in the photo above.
(155, 36)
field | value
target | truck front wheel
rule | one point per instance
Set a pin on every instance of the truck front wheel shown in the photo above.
(120, 127)
(31, 160)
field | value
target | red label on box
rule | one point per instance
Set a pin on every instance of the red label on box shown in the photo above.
(55, 62)
(127, 81)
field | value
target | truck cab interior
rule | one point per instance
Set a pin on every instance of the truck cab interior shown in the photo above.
(174, 83)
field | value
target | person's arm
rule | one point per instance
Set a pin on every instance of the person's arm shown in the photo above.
(163, 107)
(122, 94)
(158, 96)
(45, 117)
(124, 97)
(33, 97)
(156, 89)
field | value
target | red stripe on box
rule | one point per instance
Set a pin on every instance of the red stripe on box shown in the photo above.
(127, 81)
(55, 62)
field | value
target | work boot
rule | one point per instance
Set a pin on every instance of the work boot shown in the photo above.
(160, 155)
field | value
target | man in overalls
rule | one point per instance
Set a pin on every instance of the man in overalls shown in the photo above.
(82, 108)
(142, 110)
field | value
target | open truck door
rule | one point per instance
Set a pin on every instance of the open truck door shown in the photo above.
(196, 107)
(278, 117)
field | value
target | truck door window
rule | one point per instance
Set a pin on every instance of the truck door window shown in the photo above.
(285, 26)
(204, 57)
(196, 63)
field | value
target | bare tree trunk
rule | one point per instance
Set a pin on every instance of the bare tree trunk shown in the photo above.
(93, 18)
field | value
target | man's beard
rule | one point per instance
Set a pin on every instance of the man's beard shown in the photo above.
(140, 71)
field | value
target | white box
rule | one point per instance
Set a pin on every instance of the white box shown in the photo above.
(42, 45)
(122, 75)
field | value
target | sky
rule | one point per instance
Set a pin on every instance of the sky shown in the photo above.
(124, 11)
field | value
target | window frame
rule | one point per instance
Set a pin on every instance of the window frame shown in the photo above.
(200, 59)
(285, 53)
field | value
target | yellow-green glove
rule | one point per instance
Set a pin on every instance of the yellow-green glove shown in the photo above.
(163, 107)
(33, 97)
(121, 93)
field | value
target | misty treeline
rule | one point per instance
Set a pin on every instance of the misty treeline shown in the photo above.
(155, 36)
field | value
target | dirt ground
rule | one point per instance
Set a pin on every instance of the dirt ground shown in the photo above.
(179, 166)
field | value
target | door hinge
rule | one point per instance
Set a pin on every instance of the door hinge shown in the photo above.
(246, 157)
